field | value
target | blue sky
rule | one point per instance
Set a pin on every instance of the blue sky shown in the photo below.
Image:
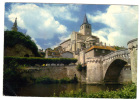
(51, 24)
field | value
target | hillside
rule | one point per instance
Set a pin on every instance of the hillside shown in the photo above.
(18, 44)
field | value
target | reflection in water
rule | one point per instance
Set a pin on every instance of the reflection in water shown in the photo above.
(47, 90)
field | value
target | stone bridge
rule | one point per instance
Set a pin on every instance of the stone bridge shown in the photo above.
(108, 68)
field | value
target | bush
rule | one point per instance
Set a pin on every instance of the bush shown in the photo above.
(65, 80)
(128, 91)
(36, 60)
(47, 80)
(79, 67)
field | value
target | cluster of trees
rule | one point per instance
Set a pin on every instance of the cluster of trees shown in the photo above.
(36, 60)
(119, 48)
(11, 38)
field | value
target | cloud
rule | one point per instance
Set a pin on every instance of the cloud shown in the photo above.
(38, 21)
(38, 46)
(63, 11)
(122, 22)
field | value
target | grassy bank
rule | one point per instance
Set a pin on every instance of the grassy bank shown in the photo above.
(128, 91)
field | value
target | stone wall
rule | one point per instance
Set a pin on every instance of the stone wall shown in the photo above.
(89, 54)
(67, 54)
(94, 71)
(56, 72)
(125, 75)
(82, 57)
(132, 47)
(66, 45)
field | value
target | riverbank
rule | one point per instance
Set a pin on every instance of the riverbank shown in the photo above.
(127, 92)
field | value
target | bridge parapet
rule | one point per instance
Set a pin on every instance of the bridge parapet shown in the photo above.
(124, 53)
(94, 60)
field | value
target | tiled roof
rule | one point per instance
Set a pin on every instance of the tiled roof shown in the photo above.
(102, 47)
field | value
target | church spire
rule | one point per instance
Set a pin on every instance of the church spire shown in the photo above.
(85, 20)
(85, 28)
(14, 28)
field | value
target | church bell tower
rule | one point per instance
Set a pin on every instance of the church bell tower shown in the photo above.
(14, 28)
(85, 28)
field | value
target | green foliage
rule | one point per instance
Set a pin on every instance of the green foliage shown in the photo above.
(37, 60)
(42, 54)
(47, 80)
(79, 67)
(119, 48)
(11, 38)
(12, 78)
(128, 91)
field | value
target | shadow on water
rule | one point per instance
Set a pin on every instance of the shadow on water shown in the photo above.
(47, 90)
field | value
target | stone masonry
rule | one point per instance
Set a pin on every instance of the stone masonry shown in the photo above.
(115, 67)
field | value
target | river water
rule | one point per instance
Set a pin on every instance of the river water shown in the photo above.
(47, 90)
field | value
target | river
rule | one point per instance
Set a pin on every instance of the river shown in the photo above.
(47, 90)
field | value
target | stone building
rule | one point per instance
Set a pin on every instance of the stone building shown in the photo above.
(49, 53)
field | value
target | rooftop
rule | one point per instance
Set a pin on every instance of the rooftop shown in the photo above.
(101, 47)
(65, 41)
(85, 20)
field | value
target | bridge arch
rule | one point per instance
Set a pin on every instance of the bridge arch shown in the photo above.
(113, 69)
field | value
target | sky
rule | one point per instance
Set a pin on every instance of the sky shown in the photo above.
(50, 24)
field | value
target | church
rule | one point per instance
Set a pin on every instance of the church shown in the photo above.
(81, 45)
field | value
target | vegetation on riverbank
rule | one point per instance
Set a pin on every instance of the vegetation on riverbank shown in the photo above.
(127, 92)
(47, 80)
(31, 61)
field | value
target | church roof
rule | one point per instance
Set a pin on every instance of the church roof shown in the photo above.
(101, 47)
(65, 41)
(85, 20)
